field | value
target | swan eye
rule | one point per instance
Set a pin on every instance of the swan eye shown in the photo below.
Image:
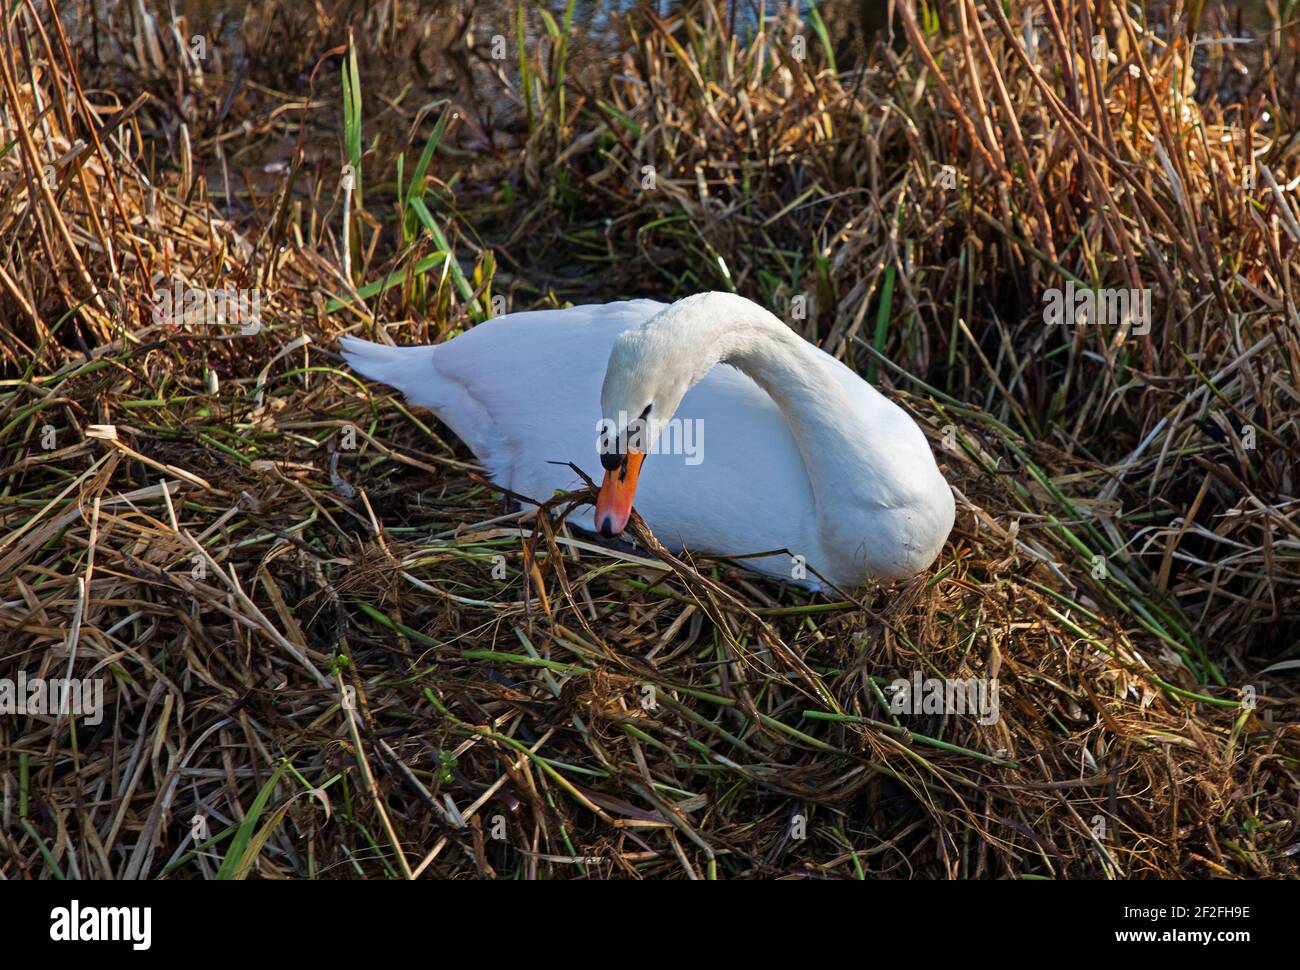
(613, 453)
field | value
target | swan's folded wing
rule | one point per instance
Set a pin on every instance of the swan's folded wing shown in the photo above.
(535, 378)
(521, 390)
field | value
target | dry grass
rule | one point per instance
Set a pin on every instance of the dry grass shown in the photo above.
(181, 514)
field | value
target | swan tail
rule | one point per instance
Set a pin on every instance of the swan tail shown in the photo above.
(413, 371)
(408, 369)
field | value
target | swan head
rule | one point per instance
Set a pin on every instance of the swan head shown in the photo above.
(649, 373)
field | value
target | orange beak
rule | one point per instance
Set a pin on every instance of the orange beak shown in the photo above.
(614, 503)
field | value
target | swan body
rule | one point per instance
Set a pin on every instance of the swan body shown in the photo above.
(786, 452)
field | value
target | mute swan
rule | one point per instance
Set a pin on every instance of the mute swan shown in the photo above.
(786, 452)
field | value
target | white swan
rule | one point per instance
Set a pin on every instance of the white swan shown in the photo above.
(786, 452)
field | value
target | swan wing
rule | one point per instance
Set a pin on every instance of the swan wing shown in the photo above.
(521, 390)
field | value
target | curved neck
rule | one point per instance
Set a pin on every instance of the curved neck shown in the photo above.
(725, 328)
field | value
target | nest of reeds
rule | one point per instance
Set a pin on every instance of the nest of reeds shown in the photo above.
(331, 648)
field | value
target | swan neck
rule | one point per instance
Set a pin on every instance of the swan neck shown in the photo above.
(788, 369)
